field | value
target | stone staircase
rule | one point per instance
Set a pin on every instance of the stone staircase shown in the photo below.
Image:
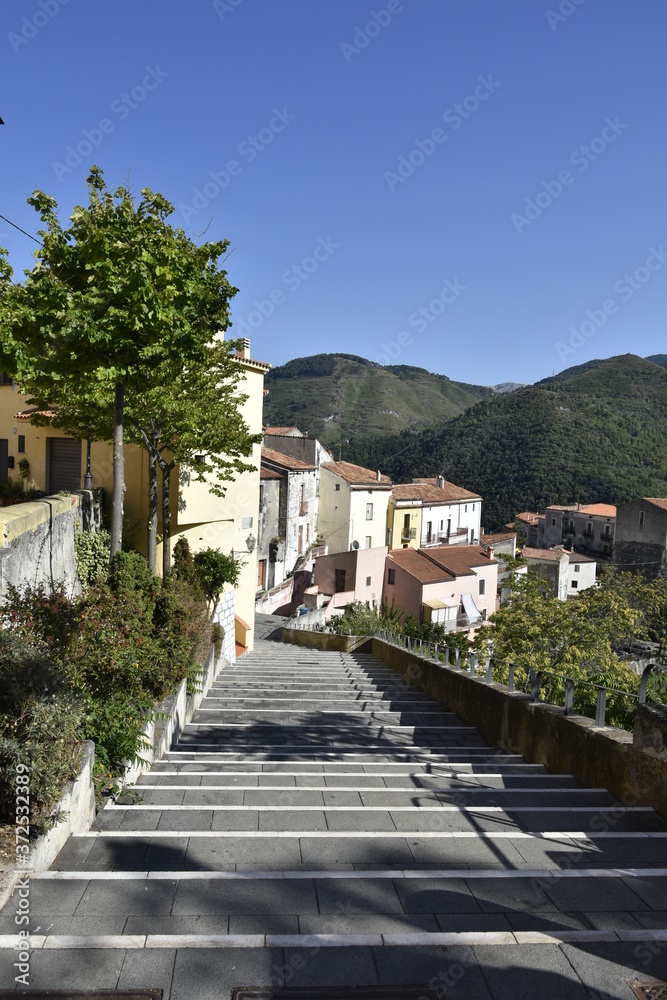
(321, 822)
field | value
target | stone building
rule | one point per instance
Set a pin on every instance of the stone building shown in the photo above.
(641, 537)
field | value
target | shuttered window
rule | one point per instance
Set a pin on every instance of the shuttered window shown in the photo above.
(64, 462)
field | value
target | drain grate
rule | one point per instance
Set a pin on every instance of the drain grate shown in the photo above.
(82, 994)
(649, 989)
(338, 993)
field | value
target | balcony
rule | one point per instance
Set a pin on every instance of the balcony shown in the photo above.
(408, 534)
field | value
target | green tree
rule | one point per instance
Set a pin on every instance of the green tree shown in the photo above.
(114, 303)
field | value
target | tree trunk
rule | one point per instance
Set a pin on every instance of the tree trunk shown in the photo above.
(118, 472)
(152, 509)
(165, 468)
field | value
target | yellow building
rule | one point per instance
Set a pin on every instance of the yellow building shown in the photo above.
(404, 523)
(229, 523)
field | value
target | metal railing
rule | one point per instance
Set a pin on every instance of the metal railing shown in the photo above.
(483, 672)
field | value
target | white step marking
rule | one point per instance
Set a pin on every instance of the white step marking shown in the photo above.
(471, 790)
(567, 836)
(445, 807)
(416, 939)
(198, 875)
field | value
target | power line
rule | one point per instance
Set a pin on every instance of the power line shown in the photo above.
(29, 235)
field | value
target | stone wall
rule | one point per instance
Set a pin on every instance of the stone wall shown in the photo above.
(37, 541)
(224, 616)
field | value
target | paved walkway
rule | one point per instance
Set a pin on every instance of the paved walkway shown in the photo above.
(323, 823)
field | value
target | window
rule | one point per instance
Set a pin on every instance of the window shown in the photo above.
(391, 576)
(5, 379)
(368, 581)
(339, 582)
(199, 459)
(577, 568)
(553, 522)
(246, 522)
(641, 518)
(337, 486)
(369, 511)
(482, 588)
(369, 541)
(575, 584)
(466, 508)
(21, 443)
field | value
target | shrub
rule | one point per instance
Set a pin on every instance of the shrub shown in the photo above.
(214, 570)
(40, 725)
(91, 550)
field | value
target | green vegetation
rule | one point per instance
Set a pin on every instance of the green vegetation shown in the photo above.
(595, 433)
(116, 327)
(335, 396)
(91, 550)
(93, 668)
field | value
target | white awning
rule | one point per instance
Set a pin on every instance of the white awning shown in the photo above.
(436, 604)
(470, 608)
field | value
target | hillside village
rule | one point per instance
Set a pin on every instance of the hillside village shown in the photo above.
(315, 535)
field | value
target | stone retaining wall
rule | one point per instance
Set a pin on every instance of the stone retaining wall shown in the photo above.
(633, 769)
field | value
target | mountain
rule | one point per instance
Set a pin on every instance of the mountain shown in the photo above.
(596, 432)
(658, 359)
(508, 386)
(334, 396)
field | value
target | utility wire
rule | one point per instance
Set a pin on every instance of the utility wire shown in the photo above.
(29, 235)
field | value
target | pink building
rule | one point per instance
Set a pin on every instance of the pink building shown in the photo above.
(454, 586)
(343, 577)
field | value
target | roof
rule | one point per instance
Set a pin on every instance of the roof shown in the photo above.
(285, 461)
(487, 540)
(459, 560)
(452, 491)
(357, 475)
(579, 557)
(27, 414)
(657, 501)
(265, 473)
(252, 361)
(559, 506)
(426, 493)
(283, 431)
(543, 555)
(417, 565)
(528, 517)
(601, 509)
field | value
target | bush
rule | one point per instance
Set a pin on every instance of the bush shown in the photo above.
(91, 550)
(119, 649)
(40, 722)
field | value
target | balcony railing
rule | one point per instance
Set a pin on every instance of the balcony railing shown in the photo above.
(408, 533)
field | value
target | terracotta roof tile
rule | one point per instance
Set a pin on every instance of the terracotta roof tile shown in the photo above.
(579, 557)
(282, 431)
(357, 475)
(265, 473)
(285, 461)
(528, 517)
(426, 493)
(27, 414)
(599, 509)
(543, 555)
(458, 560)
(449, 490)
(487, 540)
(657, 501)
(419, 566)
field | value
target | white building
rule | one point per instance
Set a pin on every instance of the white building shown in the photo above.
(450, 515)
(353, 506)
(567, 573)
(288, 515)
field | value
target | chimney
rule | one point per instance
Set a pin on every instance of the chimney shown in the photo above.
(440, 482)
(379, 476)
(243, 351)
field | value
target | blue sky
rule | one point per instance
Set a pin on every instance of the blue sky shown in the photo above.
(476, 188)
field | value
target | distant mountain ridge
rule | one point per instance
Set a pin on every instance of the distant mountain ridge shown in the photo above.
(594, 433)
(341, 396)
